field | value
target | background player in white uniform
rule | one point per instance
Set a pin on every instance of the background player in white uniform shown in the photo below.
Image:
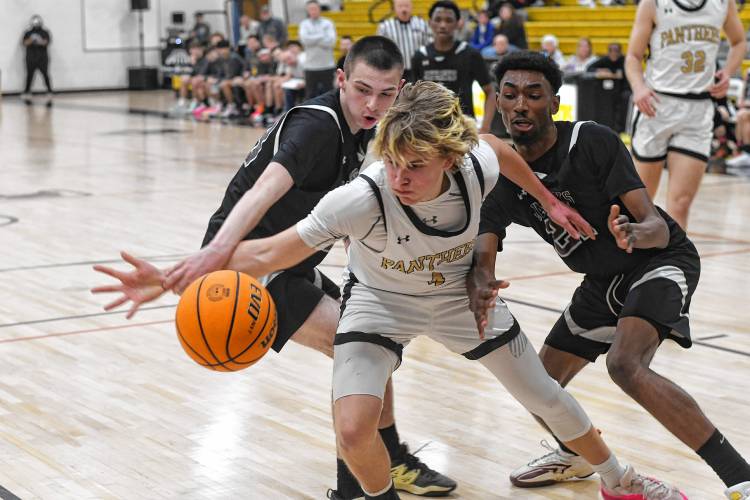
(674, 116)
(412, 221)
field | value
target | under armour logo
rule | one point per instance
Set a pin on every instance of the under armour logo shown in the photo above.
(404, 239)
(522, 194)
(432, 220)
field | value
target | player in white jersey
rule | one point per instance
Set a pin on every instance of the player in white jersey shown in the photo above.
(412, 220)
(674, 116)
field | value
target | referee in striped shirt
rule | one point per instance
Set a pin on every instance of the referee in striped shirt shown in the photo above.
(409, 32)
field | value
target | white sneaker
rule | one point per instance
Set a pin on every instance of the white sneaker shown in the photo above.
(741, 160)
(230, 111)
(739, 491)
(634, 486)
(554, 467)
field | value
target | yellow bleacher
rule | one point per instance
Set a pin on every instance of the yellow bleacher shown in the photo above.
(568, 22)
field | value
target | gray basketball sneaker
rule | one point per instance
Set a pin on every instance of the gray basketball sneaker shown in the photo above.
(739, 491)
(554, 467)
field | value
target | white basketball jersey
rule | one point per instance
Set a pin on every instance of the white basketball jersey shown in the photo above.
(419, 259)
(684, 45)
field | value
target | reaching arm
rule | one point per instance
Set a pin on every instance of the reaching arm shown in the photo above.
(643, 97)
(517, 170)
(273, 183)
(266, 255)
(481, 285)
(650, 229)
(736, 35)
(255, 257)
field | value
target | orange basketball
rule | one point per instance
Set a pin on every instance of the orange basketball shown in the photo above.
(226, 321)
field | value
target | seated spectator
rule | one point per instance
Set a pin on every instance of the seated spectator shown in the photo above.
(289, 86)
(511, 25)
(345, 43)
(578, 62)
(230, 68)
(200, 30)
(499, 48)
(201, 83)
(270, 42)
(252, 46)
(742, 129)
(256, 86)
(198, 65)
(551, 49)
(215, 38)
(484, 32)
(611, 66)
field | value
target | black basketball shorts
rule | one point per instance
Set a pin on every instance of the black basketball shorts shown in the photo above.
(296, 294)
(658, 291)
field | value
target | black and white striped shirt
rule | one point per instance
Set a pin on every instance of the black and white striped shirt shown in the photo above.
(408, 36)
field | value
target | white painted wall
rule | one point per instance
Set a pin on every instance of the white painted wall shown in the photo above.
(93, 41)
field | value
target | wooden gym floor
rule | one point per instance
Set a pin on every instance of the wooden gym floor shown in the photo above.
(95, 407)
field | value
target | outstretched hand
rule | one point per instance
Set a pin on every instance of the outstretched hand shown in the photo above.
(207, 260)
(621, 228)
(570, 220)
(482, 293)
(141, 285)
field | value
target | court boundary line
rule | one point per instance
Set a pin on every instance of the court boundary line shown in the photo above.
(79, 316)
(90, 262)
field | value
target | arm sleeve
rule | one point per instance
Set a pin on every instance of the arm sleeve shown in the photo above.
(609, 160)
(481, 73)
(350, 210)
(308, 138)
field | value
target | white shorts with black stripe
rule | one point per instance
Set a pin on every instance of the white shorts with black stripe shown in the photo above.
(391, 320)
(681, 125)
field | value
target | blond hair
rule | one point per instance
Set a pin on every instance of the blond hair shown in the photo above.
(427, 121)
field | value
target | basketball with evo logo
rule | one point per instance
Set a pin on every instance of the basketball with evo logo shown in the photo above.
(226, 321)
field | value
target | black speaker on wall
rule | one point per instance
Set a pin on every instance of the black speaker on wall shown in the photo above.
(139, 5)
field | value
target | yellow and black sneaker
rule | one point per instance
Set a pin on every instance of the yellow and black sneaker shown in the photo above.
(411, 475)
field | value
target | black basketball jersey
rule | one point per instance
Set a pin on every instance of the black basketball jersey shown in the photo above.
(588, 168)
(456, 69)
(315, 145)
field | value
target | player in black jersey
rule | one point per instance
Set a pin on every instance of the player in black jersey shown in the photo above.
(313, 149)
(640, 271)
(456, 65)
